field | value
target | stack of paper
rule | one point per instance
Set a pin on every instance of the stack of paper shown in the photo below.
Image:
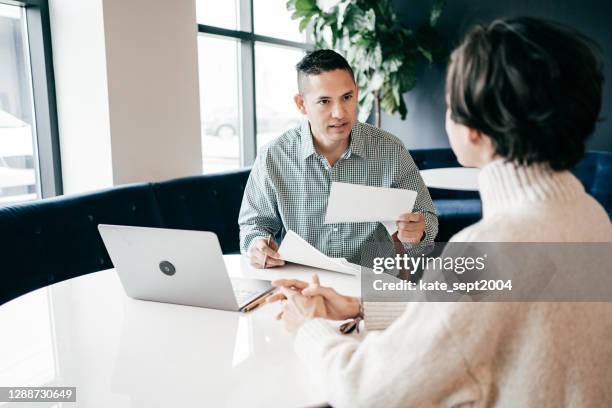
(295, 249)
(358, 203)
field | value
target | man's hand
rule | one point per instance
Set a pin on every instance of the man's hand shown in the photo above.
(261, 255)
(298, 308)
(337, 306)
(411, 228)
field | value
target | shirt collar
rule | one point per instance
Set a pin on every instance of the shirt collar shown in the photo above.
(356, 146)
(307, 143)
(357, 141)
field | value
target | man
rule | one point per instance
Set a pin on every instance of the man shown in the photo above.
(291, 178)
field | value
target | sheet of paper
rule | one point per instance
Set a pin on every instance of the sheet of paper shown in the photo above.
(295, 249)
(357, 203)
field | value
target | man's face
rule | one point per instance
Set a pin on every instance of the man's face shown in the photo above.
(329, 101)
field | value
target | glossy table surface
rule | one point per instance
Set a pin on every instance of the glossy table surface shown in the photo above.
(120, 352)
(451, 178)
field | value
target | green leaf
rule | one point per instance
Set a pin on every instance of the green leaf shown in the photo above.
(382, 51)
(406, 78)
(429, 39)
(392, 64)
(304, 23)
(370, 20)
(387, 102)
(436, 12)
(365, 106)
(396, 93)
(426, 53)
(377, 81)
(334, 35)
(402, 108)
(341, 11)
(300, 14)
(377, 56)
(306, 5)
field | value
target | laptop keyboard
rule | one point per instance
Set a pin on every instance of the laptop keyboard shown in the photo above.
(243, 296)
(247, 290)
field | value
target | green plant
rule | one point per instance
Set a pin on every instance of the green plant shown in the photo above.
(382, 51)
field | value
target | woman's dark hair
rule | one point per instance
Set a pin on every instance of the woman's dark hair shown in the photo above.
(533, 86)
(316, 62)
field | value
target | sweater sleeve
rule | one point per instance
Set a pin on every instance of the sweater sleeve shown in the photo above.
(415, 362)
(380, 315)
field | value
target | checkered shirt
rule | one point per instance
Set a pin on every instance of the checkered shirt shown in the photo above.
(289, 185)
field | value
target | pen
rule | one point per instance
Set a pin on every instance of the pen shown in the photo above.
(253, 305)
(266, 255)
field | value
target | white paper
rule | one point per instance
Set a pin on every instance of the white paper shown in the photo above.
(357, 203)
(295, 249)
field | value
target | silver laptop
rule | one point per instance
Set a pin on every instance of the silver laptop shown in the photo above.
(177, 266)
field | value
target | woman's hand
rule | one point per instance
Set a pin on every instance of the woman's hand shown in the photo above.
(337, 306)
(298, 308)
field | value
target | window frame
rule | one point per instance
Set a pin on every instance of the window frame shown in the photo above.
(47, 149)
(247, 84)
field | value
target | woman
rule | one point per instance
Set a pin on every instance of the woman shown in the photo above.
(523, 95)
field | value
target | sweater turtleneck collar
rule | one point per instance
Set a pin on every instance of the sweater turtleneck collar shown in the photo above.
(505, 186)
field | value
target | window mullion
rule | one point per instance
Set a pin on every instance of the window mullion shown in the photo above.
(248, 121)
(45, 110)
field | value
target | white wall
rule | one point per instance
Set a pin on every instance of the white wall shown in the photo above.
(152, 67)
(79, 61)
(127, 90)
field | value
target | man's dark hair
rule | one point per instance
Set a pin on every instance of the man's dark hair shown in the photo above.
(316, 62)
(532, 85)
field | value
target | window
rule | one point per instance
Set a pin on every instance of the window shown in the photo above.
(275, 80)
(272, 19)
(247, 55)
(218, 13)
(219, 103)
(29, 154)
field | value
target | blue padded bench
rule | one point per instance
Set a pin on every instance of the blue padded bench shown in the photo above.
(456, 209)
(55, 239)
(595, 173)
(204, 203)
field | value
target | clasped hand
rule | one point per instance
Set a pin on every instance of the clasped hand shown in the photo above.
(302, 301)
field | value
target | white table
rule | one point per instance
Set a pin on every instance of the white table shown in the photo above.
(121, 352)
(451, 178)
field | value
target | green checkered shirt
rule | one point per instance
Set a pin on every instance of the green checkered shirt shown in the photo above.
(289, 185)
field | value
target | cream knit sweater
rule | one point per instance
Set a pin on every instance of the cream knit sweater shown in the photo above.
(482, 354)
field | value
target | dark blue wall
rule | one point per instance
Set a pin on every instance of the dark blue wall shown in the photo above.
(424, 126)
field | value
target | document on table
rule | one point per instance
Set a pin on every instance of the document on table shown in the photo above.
(295, 249)
(358, 203)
